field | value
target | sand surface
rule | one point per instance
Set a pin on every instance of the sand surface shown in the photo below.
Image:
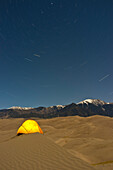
(33, 151)
(89, 138)
(68, 143)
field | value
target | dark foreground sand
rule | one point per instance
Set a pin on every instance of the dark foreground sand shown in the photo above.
(68, 143)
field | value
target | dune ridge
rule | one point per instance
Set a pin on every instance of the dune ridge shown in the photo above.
(35, 151)
(89, 140)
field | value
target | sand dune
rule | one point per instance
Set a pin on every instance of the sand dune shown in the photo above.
(35, 151)
(90, 138)
(67, 143)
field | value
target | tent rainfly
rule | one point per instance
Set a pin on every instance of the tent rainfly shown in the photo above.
(29, 126)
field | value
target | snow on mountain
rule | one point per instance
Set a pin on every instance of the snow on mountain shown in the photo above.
(87, 101)
(58, 106)
(20, 108)
(27, 108)
(92, 101)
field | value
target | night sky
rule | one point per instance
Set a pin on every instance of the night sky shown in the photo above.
(55, 52)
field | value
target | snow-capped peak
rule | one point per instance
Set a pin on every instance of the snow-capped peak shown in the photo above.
(58, 106)
(93, 101)
(20, 108)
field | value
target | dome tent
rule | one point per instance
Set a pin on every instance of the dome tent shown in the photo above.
(29, 126)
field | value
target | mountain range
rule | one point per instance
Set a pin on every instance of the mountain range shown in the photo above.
(88, 107)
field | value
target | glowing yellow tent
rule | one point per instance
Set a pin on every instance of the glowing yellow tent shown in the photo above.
(29, 126)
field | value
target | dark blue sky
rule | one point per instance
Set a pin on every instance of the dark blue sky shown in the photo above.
(55, 51)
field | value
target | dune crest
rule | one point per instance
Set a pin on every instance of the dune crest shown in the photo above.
(35, 151)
